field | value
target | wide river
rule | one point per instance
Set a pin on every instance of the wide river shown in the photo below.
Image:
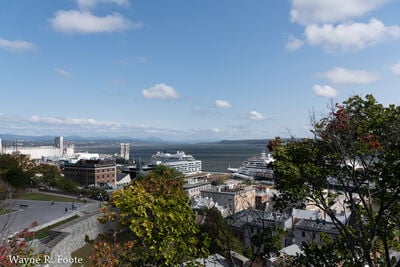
(214, 157)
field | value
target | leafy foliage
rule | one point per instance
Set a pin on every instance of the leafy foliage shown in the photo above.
(221, 237)
(18, 248)
(16, 169)
(357, 149)
(158, 215)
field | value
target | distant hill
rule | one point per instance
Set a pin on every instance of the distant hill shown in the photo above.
(10, 138)
(13, 137)
(244, 142)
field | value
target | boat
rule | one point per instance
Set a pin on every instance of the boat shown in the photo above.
(180, 161)
(255, 168)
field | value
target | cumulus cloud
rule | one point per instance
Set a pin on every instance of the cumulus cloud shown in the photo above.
(350, 37)
(293, 43)
(89, 4)
(325, 91)
(256, 116)
(161, 91)
(75, 21)
(222, 104)
(16, 45)
(342, 75)
(307, 12)
(396, 69)
(64, 73)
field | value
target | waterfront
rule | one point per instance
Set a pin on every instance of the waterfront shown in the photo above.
(214, 157)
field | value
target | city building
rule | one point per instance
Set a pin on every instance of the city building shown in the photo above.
(195, 184)
(279, 260)
(59, 150)
(91, 172)
(179, 161)
(125, 151)
(234, 197)
(309, 231)
(247, 223)
(123, 179)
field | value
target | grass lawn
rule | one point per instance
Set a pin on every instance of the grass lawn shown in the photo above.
(45, 197)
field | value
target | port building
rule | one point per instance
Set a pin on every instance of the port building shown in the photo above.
(59, 150)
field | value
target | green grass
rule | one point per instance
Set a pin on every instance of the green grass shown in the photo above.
(42, 233)
(45, 197)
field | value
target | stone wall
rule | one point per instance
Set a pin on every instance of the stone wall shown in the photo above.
(67, 238)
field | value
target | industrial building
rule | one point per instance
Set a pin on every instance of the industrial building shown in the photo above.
(59, 150)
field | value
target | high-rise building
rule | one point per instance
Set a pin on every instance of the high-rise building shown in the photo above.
(59, 142)
(125, 151)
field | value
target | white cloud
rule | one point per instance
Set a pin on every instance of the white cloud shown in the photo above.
(293, 43)
(75, 21)
(64, 73)
(396, 69)
(89, 4)
(72, 121)
(256, 116)
(161, 91)
(222, 104)
(307, 12)
(351, 36)
(324, 91)
(342, 75)
(16, 46)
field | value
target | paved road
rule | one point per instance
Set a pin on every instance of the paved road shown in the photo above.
(42, 212)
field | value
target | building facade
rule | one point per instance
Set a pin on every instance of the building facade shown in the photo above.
(236, 198)
(125, 150)
(91, 172)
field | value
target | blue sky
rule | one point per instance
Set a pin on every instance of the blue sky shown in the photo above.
(191, 70)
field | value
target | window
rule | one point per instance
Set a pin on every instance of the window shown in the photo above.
(303, 234)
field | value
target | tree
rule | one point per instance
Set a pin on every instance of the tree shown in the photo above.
(16, 169)
(356, 148)
(18, 250)
(48, 174)
(159, 219)
(222, 240)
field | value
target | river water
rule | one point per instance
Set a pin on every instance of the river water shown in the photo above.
(215, 157)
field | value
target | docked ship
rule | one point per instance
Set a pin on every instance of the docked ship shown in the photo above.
(180, 161)
(255, 168)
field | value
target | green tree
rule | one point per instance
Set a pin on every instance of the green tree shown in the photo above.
(48, 174)
(357, 147)
(160, 221)
(222, 240)
(16, 169)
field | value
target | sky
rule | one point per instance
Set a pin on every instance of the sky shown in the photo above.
(191, 70)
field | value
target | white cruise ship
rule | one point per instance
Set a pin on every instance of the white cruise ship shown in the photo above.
(179, 161)
(255, 168)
